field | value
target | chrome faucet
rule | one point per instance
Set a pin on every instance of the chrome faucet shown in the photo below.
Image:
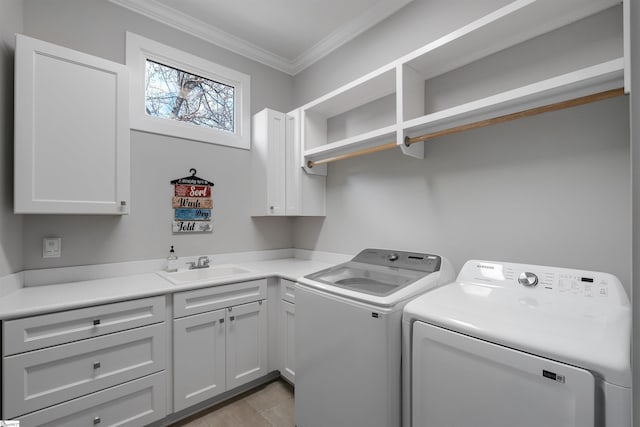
(203, 262)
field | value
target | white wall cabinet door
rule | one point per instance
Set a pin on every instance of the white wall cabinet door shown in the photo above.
(280, 186)
(199, 358)
(268, 163)
(246, 343)
(71, 131)
(287, 340)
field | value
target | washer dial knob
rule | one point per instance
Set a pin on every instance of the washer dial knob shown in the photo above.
(527, 279)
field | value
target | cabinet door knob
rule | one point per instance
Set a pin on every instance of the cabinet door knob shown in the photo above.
(96, 322)
(96, 420)
(221, 320)
(232, 318)
(96, 365)
(123, 203)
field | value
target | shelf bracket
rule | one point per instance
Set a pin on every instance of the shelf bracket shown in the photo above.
(415, 150)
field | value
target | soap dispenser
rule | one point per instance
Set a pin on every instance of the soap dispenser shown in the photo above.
(172, 261)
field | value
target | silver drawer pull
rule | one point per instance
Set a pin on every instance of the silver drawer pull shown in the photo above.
(96, 420)
(96, 365)
(230, 308)
(96, 322)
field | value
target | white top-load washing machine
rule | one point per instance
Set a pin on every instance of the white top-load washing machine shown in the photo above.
(514, 345)
(348, 336)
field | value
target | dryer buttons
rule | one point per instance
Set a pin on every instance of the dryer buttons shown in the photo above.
(527, 279)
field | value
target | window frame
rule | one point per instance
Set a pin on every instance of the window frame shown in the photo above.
(140, 49)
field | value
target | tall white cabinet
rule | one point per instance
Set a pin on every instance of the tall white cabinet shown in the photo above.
(280, 186)
(71, 131)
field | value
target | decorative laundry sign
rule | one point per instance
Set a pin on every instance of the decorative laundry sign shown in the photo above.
(192, 204)
(192, 226)
(193, 214)
(193, 191)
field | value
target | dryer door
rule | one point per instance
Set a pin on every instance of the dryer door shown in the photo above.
(462, 381)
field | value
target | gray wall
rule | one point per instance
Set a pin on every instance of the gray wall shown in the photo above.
(98, 27)
(406, 30)
(552, 189)
(10, 224)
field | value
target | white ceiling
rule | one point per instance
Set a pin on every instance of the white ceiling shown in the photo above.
(288, 35)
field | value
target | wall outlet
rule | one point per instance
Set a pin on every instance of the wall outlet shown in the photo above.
(51, 247)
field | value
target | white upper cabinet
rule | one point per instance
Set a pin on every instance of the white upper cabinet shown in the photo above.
(268, 163)
(280, 186)
(71, 132)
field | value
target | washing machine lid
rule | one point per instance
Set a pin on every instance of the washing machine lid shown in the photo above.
(576, 317)
(379, 276)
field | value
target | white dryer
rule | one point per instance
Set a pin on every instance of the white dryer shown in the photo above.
(511, 345)
(348, 336)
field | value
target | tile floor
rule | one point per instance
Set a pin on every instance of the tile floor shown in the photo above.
(270, 405)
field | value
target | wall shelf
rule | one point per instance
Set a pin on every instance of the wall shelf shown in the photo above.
(587, 81)
(375, 85)
(507, 27)
(359, 142)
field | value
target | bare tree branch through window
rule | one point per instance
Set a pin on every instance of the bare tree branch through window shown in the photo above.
(177, 95)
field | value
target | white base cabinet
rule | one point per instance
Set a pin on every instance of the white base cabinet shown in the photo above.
(45, 377)
(97, 365)
(106, 365)
(199, 358)
(133, 404)
(246, 343)
(221, 349)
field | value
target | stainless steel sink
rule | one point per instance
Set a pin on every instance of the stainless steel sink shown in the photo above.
(183, 277)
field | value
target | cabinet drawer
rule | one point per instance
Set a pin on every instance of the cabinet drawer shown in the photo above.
(42, 378)
(287, 290)
(47, 330)
(217, 297)
(136, 403)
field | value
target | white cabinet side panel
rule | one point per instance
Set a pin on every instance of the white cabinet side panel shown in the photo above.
(287, 340)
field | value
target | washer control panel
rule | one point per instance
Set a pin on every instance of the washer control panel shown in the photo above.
(541, 279)
(400, 259)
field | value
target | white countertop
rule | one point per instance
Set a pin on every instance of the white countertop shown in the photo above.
(31, 300)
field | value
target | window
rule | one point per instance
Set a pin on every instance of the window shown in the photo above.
(179, 94)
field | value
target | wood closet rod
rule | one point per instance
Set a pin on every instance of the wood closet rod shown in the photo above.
(479, 124)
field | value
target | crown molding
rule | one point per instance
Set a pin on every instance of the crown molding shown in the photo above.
(346, 33)
(173, 18)
(197, 28)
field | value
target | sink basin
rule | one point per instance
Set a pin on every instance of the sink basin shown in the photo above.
(198, 275)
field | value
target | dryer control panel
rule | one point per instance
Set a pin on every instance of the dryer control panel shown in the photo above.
(543, 279)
